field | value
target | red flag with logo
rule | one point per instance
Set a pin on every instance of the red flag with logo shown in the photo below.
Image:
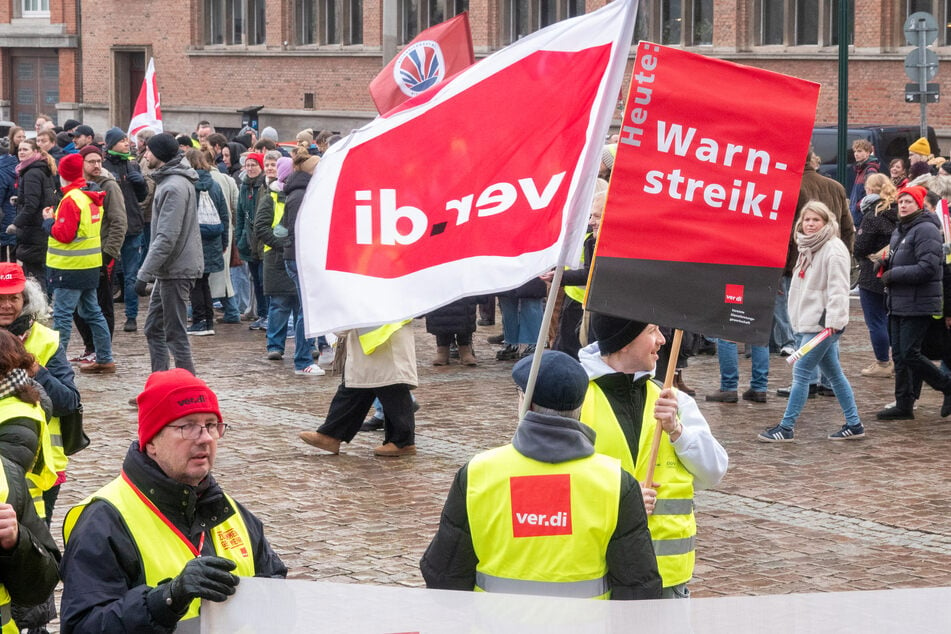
(472, 188)
(148, 111)
(439, 52)
(703, 195)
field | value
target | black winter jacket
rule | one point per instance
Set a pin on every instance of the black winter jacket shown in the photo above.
(914, 272)
(450, 561)
(133, 186)
(104, 583)
(457, 317)
(35, 189)
(276, 279)
(294, 189)
(874, 233)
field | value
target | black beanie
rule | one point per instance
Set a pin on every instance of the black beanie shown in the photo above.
(164, 147)
(113, 136)
(613, 333)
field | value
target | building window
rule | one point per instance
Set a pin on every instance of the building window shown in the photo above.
(801, 22)
(329, 21)
(675, 22)
(940, 10)
(418, 15)
(522, 17)
(35, 9)
(235, 22)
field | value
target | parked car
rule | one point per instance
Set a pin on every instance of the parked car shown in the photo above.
(889, 141)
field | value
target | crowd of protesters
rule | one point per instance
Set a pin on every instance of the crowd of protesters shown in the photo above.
(204, 227)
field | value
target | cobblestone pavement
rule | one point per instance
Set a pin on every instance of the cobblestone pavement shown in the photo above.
(807, 516)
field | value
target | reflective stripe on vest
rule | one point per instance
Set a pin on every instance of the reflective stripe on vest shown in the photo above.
(541, 528)
(572, 590)
(373, 338)
(163, 552)
(41, 476)
(673, 526)
(85, 251)
(42, 343)
(278, 214)
(7, 626)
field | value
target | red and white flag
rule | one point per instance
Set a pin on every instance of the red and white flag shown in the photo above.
(434, 55)
(473, 187)
(147, 112)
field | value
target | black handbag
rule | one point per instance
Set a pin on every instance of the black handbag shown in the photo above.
(71, 430)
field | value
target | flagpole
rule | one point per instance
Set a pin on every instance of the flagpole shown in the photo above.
(542, 338)
(658, 428)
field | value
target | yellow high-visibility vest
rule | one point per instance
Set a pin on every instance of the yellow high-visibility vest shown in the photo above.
(373, 338)
(40, 477)
(672, 525)
(42, 343)
(163, 549)
(541, 528)
(278, 214)
(85, 251)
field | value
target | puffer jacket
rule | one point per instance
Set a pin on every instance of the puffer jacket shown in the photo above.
(34, 191)
(214, 238)
(874, 233)
(913, 272)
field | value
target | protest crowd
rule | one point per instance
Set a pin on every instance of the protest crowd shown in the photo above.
(201, 229)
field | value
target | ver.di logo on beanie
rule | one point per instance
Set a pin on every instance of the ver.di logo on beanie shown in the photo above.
(170, 395)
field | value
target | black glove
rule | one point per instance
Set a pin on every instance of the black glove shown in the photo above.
(202, 578)
(142, 288)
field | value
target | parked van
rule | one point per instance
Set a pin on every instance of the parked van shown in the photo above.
(889, 142)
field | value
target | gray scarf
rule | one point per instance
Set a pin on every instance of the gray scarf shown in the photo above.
(809, 245)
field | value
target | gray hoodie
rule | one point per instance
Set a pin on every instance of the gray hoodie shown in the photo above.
(175, 251)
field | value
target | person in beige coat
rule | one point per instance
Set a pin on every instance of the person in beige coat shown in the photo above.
(373, 369)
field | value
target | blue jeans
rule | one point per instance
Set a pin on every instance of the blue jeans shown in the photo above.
(291, 267)
(521, 318)
(782, 330)
(825, 357)
(876, 318)
(242, 287)
(230, 307)
(68, 300)
(730, 368)
(131, 256)
(278, 313)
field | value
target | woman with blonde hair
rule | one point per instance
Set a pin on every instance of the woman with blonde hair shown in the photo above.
(880, 217)
(818, 299)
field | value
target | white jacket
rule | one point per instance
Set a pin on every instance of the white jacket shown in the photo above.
(820, 298)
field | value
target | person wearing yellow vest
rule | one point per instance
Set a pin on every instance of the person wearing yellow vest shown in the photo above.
(284, 300)
(22, 303)
(624, 404)
(73, 260)
(381, 363)
(29, 568)
(143, 550)
(545, 514)
(575, 281)
(213, 225)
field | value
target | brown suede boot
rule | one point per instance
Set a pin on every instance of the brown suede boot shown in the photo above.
(466, 356)
(442, 355)
(680, 385)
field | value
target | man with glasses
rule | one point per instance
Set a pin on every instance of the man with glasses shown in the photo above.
(144, 549)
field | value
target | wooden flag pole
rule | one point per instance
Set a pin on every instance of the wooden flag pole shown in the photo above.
(658, 429)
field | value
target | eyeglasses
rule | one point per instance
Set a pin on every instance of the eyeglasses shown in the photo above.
(192, 431)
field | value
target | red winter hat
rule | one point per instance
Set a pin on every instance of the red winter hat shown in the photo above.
(915, 191)
(255, 156)
(12, 279)
(170, 395)
(71, 167)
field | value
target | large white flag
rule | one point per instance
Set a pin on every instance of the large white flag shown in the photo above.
(148, 110)
(472, 187)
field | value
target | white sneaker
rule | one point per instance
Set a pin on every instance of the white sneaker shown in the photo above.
(895, 404)
(786, 351)
(312, 370)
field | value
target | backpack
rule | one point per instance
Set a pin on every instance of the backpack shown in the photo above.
(207, 211)
(51, 192)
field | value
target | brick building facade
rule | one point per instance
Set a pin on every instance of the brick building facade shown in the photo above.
(309, 61)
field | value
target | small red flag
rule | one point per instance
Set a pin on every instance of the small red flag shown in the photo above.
(439, 52)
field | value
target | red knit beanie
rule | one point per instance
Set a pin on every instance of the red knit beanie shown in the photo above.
(917, 192)
(257, 157)
(171, 395)
(71, 167)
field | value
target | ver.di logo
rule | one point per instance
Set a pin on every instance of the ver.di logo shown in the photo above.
(419, 67)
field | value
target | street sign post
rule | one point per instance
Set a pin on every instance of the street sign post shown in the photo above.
(921, 64)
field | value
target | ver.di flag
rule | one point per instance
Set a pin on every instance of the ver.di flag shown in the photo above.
(437, 53)
(473, 187)
(703, 195)
(147, 112)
